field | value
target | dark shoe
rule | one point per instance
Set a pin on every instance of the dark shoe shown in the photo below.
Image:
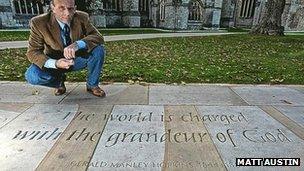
(60, 90)
(97, 91)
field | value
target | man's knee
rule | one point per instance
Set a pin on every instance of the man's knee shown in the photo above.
(99, 51)
(34, 77)
(31, 76)
(32, 80)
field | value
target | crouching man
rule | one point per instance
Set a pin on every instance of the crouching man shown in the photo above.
(64, 40)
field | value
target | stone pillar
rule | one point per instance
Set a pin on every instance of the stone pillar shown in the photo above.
(176, 15)
(170, 21)
(131, 16)
(154, 14)
(182, 16)
(216, 14)
(97, 15)
(227, 13)
(232, 16)
(208, 13)
(293, 18)
(286, 13)
(259, 11)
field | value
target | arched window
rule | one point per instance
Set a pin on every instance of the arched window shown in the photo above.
(195, 11)
(118, 5)
(162, 10)
(33, 7)
(113, 5)
(143, 5)
(247, 8)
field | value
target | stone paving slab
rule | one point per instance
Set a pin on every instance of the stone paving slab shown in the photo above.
(6, 117)
(301, 89)
(116, 94)
(77, 143)
(270, 95)
(283, 119)
(25, 93)
(15, 107)
(191, 147)
(25, 141)
(193, 95)
(10, 111)
(125, 143)
(294, 113)
(151, 140)
(248, 132)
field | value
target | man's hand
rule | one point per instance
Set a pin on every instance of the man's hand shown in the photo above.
(64, 63)
(69, 51)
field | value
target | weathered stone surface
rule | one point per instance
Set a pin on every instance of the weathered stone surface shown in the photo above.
(125, 142)
(193, 148)
(25, 141)
(15, 107)
(147, 141)
(116, 94)
(246, 132)
(79, 140)
(270, 95)
(25, 93)
(10, 111)
(25, 88)
(6, 117)
(98, 20)
(294, 113)
(283, 119)
(301, 89)
(291, 18)
(193, 95)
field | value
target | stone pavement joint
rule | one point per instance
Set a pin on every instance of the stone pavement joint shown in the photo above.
(296, 126)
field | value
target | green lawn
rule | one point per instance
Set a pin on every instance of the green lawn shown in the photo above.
(24, 35)
(14, 35)
(212, 59)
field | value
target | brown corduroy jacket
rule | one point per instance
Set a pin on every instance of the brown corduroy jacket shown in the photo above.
(45, 41)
